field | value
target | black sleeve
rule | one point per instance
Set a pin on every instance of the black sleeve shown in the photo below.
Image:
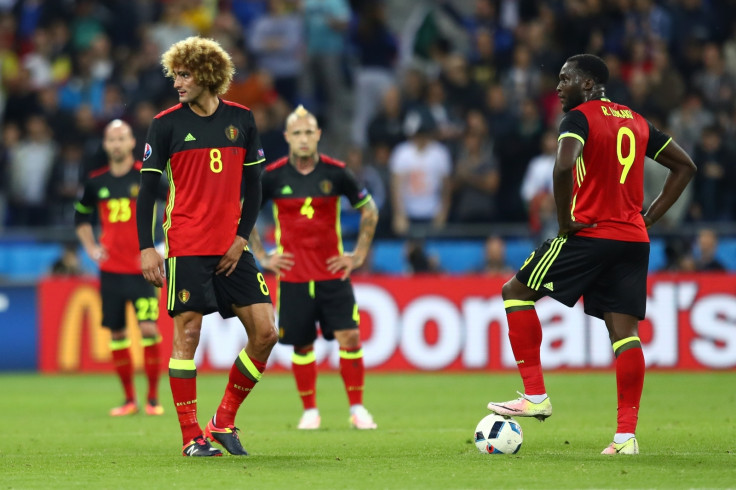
(353, 190)
(145, 208)
(251, 199)
(84, 208)
(657, 141)
(576, 123)
(162, 190)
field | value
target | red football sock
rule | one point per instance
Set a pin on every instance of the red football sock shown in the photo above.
(353, 374)
(244, 374)
(123, 366)
(152, 364)
(629, 384)
(183, 381)
(525, 335)
(304, 367)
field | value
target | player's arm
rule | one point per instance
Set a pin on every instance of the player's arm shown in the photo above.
(681, 171)
(152, 264)
(83, 211)
(273, 260)
(360, 199)
(573, 132)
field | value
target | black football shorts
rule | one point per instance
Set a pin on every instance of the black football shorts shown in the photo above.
(192, 285)
(117, 289)
(610, 275)
(301, 305)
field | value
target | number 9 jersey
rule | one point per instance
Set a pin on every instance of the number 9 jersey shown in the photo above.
(203, 158)
(608, 177)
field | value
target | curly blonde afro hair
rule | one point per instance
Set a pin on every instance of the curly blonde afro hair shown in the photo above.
(208, 62)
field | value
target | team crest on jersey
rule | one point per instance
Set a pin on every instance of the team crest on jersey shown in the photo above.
(231, 132)
(184, 295)
(134, 190)
(325, 186)
(147, 152)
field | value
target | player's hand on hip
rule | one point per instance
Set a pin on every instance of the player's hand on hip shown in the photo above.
(152, 265)
(346, 263)
(229, 261)
(98, 254)
(573, 227)
(278, 262)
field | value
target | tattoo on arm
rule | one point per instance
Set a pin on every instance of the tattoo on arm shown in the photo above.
(368, 222)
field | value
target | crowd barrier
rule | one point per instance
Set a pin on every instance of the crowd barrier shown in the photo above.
(427, 323)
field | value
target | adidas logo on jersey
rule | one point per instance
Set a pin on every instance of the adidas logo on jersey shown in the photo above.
(287, 190)
(190, 137)
(549, 286)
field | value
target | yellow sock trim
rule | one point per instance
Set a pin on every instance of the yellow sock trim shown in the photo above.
(509, 303)
(182, 364)
(119, 344)
(303, 359)
(149, 341)
(351, 355)
(248, 364)
(618, 344)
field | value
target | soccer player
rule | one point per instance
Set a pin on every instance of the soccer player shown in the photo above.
(314, 272)
(212, 153)
(602, 249)
(112, 192)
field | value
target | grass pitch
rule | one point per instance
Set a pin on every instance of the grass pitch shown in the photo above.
(58, 435)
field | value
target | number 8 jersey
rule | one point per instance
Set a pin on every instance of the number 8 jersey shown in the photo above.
(608, 177)
(203, 158)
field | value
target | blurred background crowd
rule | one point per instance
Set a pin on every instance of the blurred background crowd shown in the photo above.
(458, 94)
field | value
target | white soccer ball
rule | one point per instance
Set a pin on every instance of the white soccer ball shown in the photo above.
(496, 434)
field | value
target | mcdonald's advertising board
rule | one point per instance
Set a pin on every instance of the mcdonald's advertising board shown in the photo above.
(429, 323)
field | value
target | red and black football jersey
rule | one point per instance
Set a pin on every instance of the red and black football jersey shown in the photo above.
(114, 199)
(306, 209)
(608, 177)
(203, 158)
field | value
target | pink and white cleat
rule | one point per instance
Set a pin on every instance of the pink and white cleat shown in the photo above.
(522, 407)
(362, 419)
(629, 447)
(310, 420)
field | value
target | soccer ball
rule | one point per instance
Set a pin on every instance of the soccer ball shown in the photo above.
(498, 435)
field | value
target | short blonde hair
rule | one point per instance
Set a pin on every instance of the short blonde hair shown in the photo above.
(209, 63)
(300, 113)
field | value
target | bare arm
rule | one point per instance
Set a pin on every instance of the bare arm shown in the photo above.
(682, 169)
(87, 238)
(273, 261)
(351, 261)
(568, 151)
(400, 222)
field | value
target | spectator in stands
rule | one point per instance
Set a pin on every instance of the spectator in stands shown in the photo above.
(420, 177)
(536, 190)
(714, 195)
(68, 264)
(707, 247)
(376, 52)
(476, 178)
(387, 125)
(30, 168)
(494, 257)
(418, 260)
(326, 23)
(713, 81)
(276, 41)
(64, 183)
(11, 136)
(688, 121)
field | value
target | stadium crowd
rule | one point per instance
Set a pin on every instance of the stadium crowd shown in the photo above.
(459, 95)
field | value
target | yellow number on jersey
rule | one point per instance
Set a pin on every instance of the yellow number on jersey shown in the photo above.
(307, 209)
(119, 210)
(215, 160)
(627, 160)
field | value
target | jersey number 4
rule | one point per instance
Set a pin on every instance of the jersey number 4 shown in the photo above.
(307, 209)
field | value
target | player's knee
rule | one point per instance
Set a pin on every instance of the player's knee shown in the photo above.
(507, 291)
(268, 337)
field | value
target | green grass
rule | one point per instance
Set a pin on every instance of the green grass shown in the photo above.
(57, 434)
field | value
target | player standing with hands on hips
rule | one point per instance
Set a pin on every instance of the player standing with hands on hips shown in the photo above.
(314, 272)
(209, 148)
(112, 191)
(602, 249)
